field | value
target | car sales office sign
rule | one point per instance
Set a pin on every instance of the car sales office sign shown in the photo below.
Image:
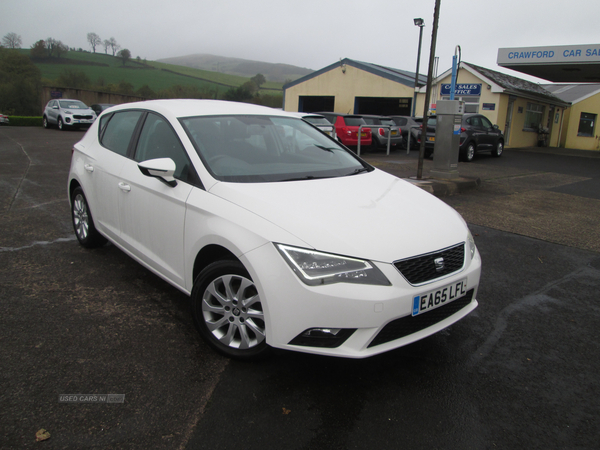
(462, 89)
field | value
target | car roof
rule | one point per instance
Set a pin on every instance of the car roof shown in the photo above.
(193, 107)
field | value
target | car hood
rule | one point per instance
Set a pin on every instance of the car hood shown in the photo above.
(371, 215)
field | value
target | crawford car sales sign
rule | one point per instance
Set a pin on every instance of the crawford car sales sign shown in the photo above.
(462, 89)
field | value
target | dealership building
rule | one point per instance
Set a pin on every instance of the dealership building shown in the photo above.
(530, 114)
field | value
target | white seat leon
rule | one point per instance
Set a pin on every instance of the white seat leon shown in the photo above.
(281, 237)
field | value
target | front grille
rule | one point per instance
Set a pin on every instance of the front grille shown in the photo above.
(421, 269)
(405, 326)
(79, 116)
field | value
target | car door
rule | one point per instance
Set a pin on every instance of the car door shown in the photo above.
(152, 212)
(52, 112)
(105, 164)
(491, 134)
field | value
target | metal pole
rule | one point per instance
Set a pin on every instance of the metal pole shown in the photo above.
(414, 105)
(436, 15)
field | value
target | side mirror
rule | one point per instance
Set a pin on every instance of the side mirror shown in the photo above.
(161, 168)
(496, 127)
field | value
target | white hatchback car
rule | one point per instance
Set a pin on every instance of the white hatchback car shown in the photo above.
(295, 244)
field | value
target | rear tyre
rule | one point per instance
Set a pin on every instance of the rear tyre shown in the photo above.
(228, 312)
(83, 224)
(45, 122)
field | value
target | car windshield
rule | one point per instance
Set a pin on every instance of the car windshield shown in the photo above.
(252, 149)
(72, 104)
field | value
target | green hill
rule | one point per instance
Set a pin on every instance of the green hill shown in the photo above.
(103, 69)
(241, 67)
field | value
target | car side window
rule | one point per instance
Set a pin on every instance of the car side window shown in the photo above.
(486, 123)
(476, 122)
(118, 131)
(159, 140)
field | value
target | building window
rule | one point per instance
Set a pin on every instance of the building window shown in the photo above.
(587, 124)
(534, 116)
(471, 102)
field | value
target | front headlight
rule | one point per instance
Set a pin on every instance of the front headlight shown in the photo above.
(315, 268)
(471, 242)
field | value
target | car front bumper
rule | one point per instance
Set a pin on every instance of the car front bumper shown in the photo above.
(375, 317)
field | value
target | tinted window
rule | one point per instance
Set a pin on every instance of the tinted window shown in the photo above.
(354, 121)
(486, 123)
(119, 130)
(158, 140)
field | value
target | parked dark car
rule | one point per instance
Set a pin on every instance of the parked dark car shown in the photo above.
(477, 134)
(99, 107)
(380, 135)
(346, 129)
(409, 125)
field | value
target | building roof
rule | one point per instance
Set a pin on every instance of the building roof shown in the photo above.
(400, 76)
(517, 86)
(573, 93)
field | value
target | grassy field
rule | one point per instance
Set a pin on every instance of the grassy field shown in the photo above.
(157, 76)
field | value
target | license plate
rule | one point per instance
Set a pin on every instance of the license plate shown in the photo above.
(394, 132)
(439, 297)
(363, 134)
(431, 139)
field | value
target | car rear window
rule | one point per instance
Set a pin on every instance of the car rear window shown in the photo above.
(354, 121)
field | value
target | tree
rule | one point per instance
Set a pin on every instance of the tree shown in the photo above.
(239, 94)
(106, 44)
(50, 46)
(60, 49)
(112, 42)
(145, 91)
(259, 79)
(94, 41)
(124, 55)
(12, 40)
(20, 84)
(38, 50)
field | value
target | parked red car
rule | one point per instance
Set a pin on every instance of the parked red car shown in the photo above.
(346, 129)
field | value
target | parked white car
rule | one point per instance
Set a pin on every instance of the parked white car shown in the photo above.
(65, 113)
(299, 247)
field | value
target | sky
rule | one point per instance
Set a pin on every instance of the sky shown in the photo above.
(309, 33)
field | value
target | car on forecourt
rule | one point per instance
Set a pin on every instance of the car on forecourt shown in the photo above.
(380, 134)
(64, 113)
(292, 247)
(477, 134)
(346, 129)
(409, 125)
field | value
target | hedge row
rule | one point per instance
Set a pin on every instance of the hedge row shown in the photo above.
(19, 121)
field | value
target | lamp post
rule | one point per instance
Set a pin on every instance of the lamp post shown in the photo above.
(419, 23)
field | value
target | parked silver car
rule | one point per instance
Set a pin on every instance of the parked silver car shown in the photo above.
(380, 134)
(64, 113)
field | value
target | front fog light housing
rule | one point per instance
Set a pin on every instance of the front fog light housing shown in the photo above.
(315, 268)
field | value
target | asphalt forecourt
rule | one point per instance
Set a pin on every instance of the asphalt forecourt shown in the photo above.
(99, 352)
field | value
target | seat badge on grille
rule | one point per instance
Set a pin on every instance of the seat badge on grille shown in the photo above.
(439, 264)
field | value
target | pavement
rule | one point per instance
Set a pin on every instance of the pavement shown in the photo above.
(405, 166)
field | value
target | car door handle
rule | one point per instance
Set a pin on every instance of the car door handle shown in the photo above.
(124, 187)
(89, 168)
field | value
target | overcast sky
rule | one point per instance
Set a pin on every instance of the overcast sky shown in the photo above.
(309, 33)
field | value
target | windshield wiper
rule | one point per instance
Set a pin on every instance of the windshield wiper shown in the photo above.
(357, 171)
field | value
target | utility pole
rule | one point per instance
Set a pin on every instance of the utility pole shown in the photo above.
(436, 15)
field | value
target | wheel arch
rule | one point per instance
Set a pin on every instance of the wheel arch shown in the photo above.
(209, 254)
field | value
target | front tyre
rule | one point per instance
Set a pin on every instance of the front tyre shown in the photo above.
(227, 311)
(60, 124)
(83, 224)
(499, 149)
